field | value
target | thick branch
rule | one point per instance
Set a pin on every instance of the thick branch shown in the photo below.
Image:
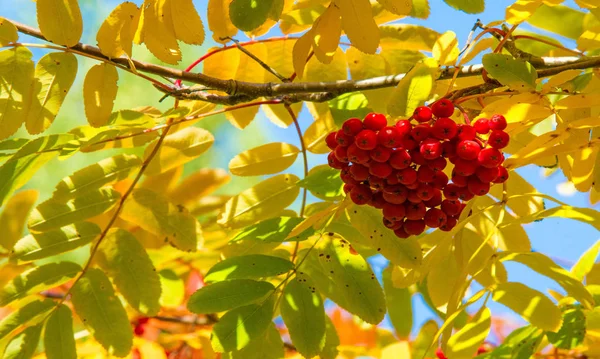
(319, 91)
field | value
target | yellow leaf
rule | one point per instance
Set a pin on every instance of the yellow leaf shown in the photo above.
(279, 115)
(314, 136)
(516, 113)
(278, 57)
(414, 89)
(199, 184)
(178, 149)
(530, 304)
(408, 37)
(99, 93)
(396, 351)
(263, 160)
(242, 117)
(262, 201)
(589, 39)
(158, 33)
(398, 7)
(582, 172)
(54, 75)
(8, 32)
(163, 182)
(301, 52)
(577, 101)
(522, 205)
(14, 216)
(540, 146)
(359, 25)
(334, 71)
(222, 65)
(326, 34)
(16, 77)
(187, 23)
(115, 36)
(589, 4)
(149, 349)
(442, 279)
(60, 21)
(521, 10)
(559, 79)
(363, 66)
(218, 20)
(445, 50)
(300, 19)
(477, 48)
(465, 342)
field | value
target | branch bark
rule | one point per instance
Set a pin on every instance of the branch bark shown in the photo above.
(241, 91)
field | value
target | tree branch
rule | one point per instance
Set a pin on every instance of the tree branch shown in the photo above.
(316, 91)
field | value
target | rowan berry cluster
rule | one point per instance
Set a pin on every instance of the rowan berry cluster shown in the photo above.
(400, 169)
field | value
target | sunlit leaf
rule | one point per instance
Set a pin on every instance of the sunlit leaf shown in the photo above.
(414, 89)
(399, 304)
(173, 289)
(572, 332)
(349, 105)
(229, 294)
(517, 74)
(99, 93)
(442, 279)
(265, 159)
(16, 77)
(273, 230)
(585, 263)
(359, 25)
(252, 266)
(60, 21)
(218, 20)
(24, 345)
(408, 37)
(323, 182)
(125, 261)
(58, 335)
(8, 32)
(445, 50)
(465, 342)
(115, 36)
(199, 184)
(38, 279)
(14, 217)
(29, 313)
(96, 303)
(326, 34)
(426, 335)
(157, 31)
(186, 22)
(314, 136)
(560, 19)
(521, 10)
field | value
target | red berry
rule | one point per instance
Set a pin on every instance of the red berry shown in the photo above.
(343, 139)
(451, 191)
(416, 157)
(449, 149)
(425, 174)
(438, 164)
(400, 159)
(451, 207)
(341, 153)
(408, 143)
(413, 196)
(422, 114)
(404, 127)
(486, 175)
(468, 149)
(348, 187)
(435, 200)
(376, 182)
(381, 170)
(381, 154)
(357, 155)
(347, 177)
(377, 200)
(460, 181)
(435, 218)
(498, 139)
(490, 157)
(466, 132)
(389, 137)
(392, 179)
(331, 141)
(375, 121)
(425, 192)
(443, 108)
(502, 175)
(413, 185)
(450, 223)
(414, 227)
(359, 172)
(431, 149)
(139, 330)
(440, 180)
(420, 132)
(394, 212)
(352, 126)
(366, 140)
(477, 187)
(444, 128)
(143, 320)
(401, 233)
(361, 194)
(482, 126)
(334, 162)
(465, 195)
(407, 176)
(393, 225)
(395, 194)
(465, 168)
(497, 122)
(415, 211)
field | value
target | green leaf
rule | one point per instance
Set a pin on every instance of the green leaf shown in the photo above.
(38, 279)
(253, 266)
(16, 76)
(52, 214)
(465, 342)
(222, 296)
(54, 74)
(125, 260)
(304, 315)
(59, 342)
(559, 19)
(546, 266)
(95, 176)
(23, 346)
(14, 217)
(519, 75)
(323, 182)
(267, 346)
(586, 262)
(414, 89)
(247, 15)
(95, 302)
(41, 245)
(520, 344)
(572, 332)
(346, 279)
(30, 312)
(353, 104)
(273, 230)
(420, 9)
(19, 169)
(517, 296)
(266, 159)
(173, 288)
(238, 327)
(155, 214)
(332, 341)
(420, 347)
(399, 305)
(468, 6)
(369, 222)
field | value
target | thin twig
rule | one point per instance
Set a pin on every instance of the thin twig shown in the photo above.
(259, 61)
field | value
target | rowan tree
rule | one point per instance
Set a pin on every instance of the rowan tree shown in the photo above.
(416, 139)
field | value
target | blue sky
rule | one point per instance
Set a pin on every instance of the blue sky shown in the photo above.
(561, 239)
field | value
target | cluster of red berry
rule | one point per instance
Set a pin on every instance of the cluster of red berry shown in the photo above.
(399, 169)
